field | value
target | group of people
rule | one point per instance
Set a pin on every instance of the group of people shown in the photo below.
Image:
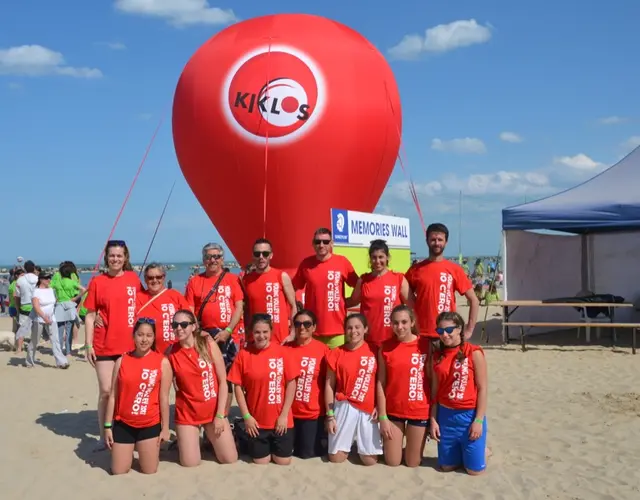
(309, 378)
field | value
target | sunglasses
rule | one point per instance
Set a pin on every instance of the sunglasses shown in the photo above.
(321, 242)
(448, 329)
(264, 253)
(299, 324)
(213, 256)
(116, 243)
(146, 321)
(181, 324)
(154, 278)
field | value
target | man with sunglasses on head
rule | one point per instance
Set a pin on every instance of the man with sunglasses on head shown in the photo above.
(323, 277)
(434, 283)
(216, 298)
(269, 290)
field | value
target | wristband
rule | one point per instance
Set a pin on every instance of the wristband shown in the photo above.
(246, 416)
(222, 417)
(330, 413)
(88, 346)
(108, 425)
(383, 417)
(227, 329)
(479, 420)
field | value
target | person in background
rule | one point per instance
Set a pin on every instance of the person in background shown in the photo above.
(403, 391)
(68, 290)
(323, 277)
(112, 296)
(350, 393)
(434, 283)
(43, 319)
(378, 292)
(4, 292)
(459, 391)
(269, 290)
(265, 386)
(23, 294)
(478, 291)
(478, 271)
(137, 414)
(308, 357)
(201, 392)
(161, 304)
(492, 294)
(13, 311)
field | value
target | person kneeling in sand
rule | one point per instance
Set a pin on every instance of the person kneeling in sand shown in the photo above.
(459, 388)
(137, 414)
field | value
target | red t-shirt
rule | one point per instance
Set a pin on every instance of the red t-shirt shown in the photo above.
(378, 296)
(196, 386)
(114, 298)
(161, 309)
(324, 282)
(138, 398)
(435, 284)
(221, 305)
(355, 375)
(456, 379)
(406, 390)
(264, 374)
(311, 365)
(265, 294)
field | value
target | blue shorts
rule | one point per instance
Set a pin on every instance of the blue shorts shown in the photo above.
(455, 448)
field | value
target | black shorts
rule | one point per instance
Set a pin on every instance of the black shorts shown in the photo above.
(125, 434)
(269, 443)
(407, 421)
(115, 357)
(310, 438)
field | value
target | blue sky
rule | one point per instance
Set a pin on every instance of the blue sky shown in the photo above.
(505, 101)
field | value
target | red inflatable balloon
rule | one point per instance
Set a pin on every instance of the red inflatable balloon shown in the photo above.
(297, 106)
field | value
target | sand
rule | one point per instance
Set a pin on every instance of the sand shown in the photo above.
(563, 424)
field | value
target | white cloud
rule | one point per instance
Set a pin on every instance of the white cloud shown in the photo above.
(500, 183)
(612, 120)
(442, 38)
(36, 60)
(631, 143)
(510, 137)
(579, 162)
(400, 190)
(178, 12)
(466, 145)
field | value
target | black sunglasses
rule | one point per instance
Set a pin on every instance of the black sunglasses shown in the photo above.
(448, 329)
(264, 253)
(215, 256)
(146, 321)
(154, 278)
(181, 324)
(299, 324)
(321, 242)
(116, 243)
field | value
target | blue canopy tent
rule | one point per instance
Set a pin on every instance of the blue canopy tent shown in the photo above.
(598, 252)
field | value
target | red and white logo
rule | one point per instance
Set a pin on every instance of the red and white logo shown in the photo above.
(275, 92)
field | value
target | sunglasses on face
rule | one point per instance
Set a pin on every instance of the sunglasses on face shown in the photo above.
(181, 324)
(155, 278)
(213, 256)
(318, 241)
(264, 253)
(448, 329)
(306, 324)
(147, 321)
(116, 243)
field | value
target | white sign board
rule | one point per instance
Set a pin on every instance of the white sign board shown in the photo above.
(358, 229)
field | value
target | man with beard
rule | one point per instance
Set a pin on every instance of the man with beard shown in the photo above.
(434, 282)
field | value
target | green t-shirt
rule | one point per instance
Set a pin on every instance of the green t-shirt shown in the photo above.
(66, 289)
(492, 297)
(12, 291)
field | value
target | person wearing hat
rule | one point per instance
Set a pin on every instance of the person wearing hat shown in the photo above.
(44, 321)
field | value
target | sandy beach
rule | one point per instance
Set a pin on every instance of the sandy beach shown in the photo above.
(564, 423)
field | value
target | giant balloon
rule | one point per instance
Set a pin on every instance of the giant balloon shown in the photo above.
(294, 109)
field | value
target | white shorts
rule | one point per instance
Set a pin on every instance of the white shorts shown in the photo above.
(351, 424)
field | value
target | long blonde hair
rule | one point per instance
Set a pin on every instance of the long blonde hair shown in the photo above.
(201, 343)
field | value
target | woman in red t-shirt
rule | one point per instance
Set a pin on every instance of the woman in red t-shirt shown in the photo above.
(308, 356)
(378, 292)
(160, 303)
(137, 414)
(402, 391)
(265, 385)
(350, 395)
(458, 412)
(112, 297)
(201, 392)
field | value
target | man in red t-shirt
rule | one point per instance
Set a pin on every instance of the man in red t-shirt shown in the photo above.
(270, 291)
(218, 309)
(434, 283)
(323, 277)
